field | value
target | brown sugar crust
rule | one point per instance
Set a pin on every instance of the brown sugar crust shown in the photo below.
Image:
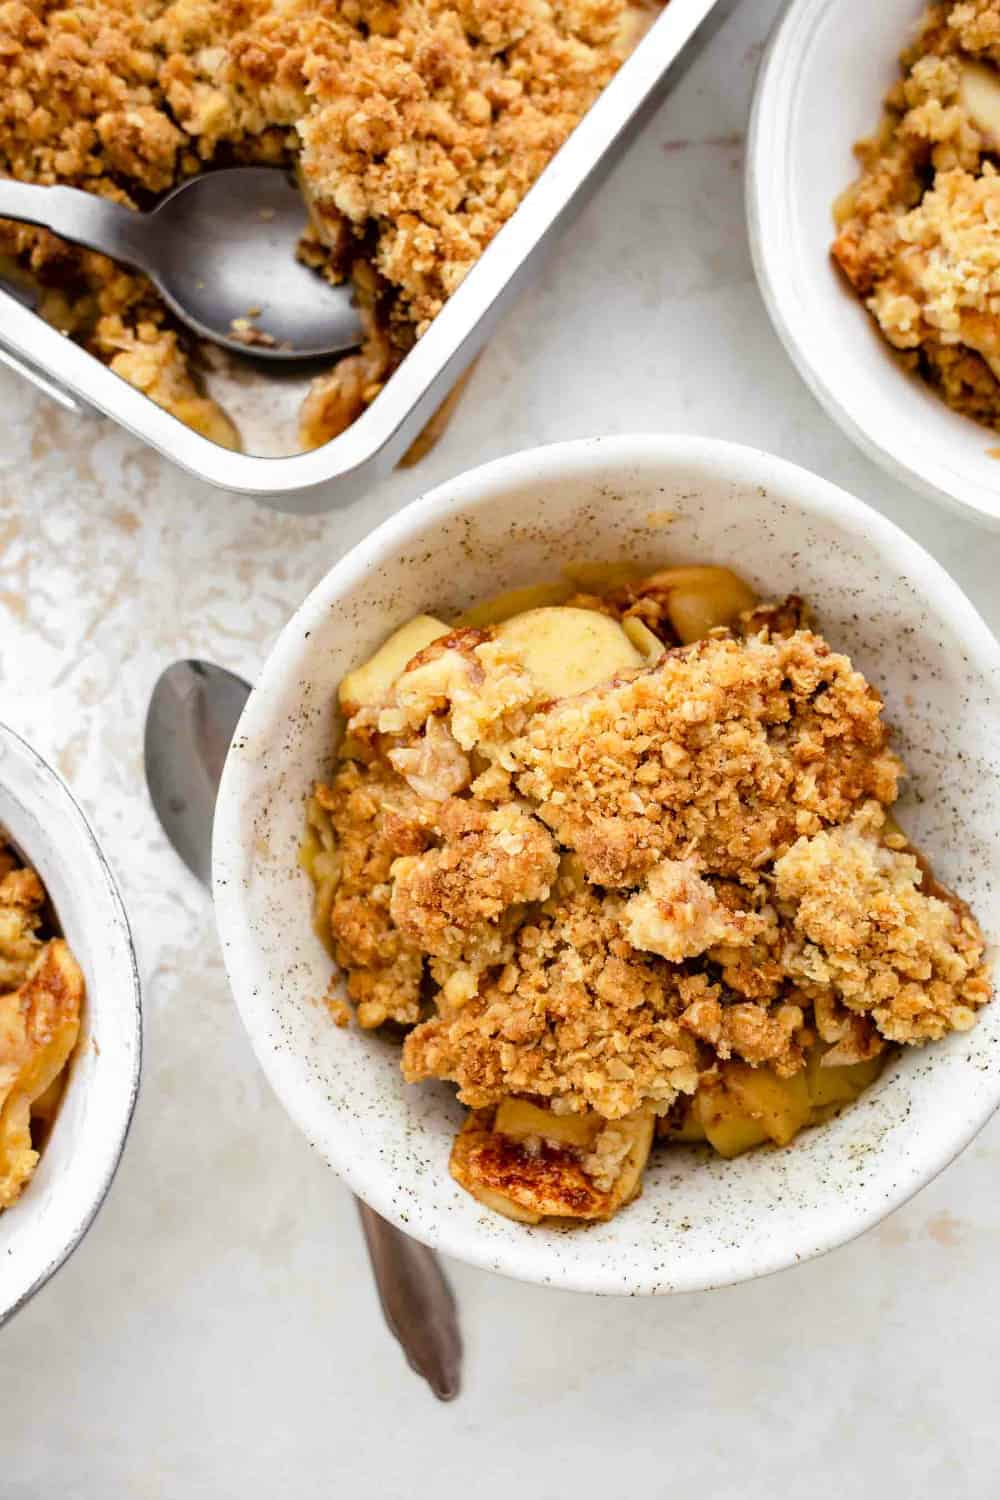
(450, 900)
(728, 750)
(545, 1180)
(864, 927)
(576, 1017)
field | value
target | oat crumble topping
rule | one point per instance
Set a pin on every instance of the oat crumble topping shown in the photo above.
(863, 928)
(676, 896)
(728, 750)
(573, 1015)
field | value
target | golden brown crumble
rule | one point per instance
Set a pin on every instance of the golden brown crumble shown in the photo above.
(451, 900)
(416, 127)
(675, 895)
(756, 1033)
(21, 900)
(727, 749)
(679, 915)
(375, 818)
(41, 992)
(575, 1016)
(919, 233)
(863, 928)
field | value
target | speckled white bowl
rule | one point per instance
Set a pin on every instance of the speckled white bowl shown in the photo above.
(55, 1210)
(701, 1221)
(820, 89)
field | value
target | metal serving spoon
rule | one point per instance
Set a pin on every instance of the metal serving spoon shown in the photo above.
(220, 249)
(189, 725)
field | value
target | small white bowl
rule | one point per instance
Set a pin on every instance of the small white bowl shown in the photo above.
(701, 1221)
(820, 89)
(55, 1210)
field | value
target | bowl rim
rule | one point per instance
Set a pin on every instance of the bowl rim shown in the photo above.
(69, 808)
(465, 493)
(767, 138)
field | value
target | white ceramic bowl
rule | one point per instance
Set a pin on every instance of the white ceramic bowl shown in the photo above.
(701, 1221)
(820, 89)
(77, 1166)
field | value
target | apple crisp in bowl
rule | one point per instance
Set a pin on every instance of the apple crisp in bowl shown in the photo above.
(894, 331)
(616, 861)
(624, 867)
(919, 232)
(70, 1024)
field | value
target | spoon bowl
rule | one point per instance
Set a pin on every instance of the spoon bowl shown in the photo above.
(222, 251)
(192, 716)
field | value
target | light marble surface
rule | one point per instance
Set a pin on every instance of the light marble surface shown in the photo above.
(216, 1335)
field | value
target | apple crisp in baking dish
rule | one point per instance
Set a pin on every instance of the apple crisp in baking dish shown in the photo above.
(41, 994)
(415, 126)
(919, 232)
(619, 860)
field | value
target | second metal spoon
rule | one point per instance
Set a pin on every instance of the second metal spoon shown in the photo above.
(192, 716)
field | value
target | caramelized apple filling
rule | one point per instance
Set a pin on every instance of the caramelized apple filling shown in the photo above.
(617, 853)
(41, 993)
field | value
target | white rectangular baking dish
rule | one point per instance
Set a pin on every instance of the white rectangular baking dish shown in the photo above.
(341, 470)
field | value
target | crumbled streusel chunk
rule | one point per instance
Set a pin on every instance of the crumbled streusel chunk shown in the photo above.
(22, 897)
(678, 915)
(756, 1033)
(944, 285)
(376, 819)
(450, 900)
(479, 684)
(863, 928)
(726, 749)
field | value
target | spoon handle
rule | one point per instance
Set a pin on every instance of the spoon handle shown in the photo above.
(81, 217)
(418, 1303)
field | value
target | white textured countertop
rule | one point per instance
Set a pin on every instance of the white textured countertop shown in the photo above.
(217, 1334)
